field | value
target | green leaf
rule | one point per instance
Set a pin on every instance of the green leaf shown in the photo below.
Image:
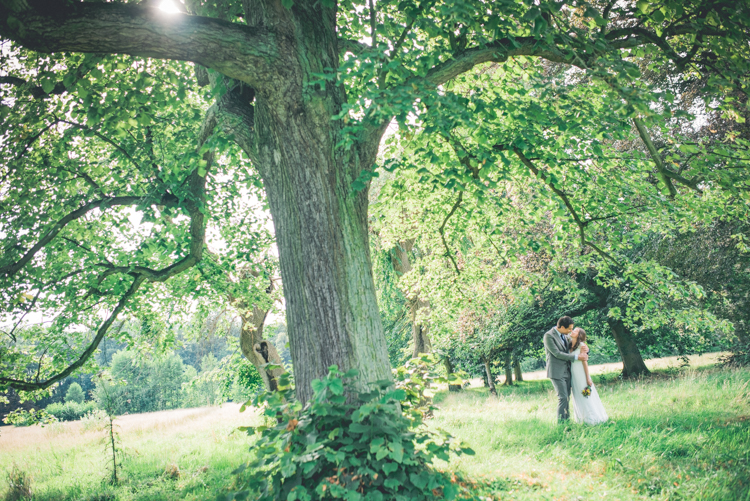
(389, 468)
(336, 386)
(392, 483)
(48, 85)
(397, 451)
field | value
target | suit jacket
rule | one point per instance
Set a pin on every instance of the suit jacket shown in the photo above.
(558, 358)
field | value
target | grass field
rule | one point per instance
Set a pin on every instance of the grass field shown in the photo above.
(69, 462)
(681, 434)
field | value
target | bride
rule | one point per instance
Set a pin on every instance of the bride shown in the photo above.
(587, 409)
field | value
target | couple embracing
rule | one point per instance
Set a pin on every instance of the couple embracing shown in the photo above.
(567, 368)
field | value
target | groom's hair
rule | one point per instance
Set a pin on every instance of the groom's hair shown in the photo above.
(565, 322)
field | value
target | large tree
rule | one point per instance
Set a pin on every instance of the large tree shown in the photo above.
(308, 88)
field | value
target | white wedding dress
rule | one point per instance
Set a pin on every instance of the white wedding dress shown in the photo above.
(589, 409)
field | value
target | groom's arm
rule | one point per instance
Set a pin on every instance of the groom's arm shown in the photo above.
(550, 345)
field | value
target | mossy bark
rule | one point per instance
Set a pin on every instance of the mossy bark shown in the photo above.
(508, 370)
(632, 361)
(490, 379)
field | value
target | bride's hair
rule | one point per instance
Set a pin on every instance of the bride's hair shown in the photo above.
(581, 338)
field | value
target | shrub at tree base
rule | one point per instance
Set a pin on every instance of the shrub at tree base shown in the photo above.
(70, 411)
(348, 445)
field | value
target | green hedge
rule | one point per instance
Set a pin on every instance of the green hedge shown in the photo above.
(70, 411)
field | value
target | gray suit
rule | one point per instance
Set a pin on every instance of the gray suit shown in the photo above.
(558, 369)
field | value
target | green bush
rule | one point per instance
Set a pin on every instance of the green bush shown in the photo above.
(346, 444)
(75, 394)
(70, 411)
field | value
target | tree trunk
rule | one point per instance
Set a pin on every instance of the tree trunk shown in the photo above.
(419, 330)
(490, 378)
(632, 362)
(517, 370)
(402, 265)
(508, 370)
(449, 370)
(321, 233)
(320, 220)
(258, 350)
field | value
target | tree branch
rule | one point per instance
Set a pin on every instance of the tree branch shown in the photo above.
(441, 230)
(664, 174)
(239, 51)
(11, 269)
(373, 23)
(580, 223)
(195, 203)
(37, 385)
(498, 51)
(38, 92)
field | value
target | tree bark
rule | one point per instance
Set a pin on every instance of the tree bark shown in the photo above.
(517, 370)
(632, 362)
(320, 221)
(508, 370)
(260, 351)
(449, 370)
(490, 378)
(420, 331)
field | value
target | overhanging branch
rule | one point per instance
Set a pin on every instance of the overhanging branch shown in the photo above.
(11, 269)
(665, 174)
(18, 384)
(246, 53)
(195, 204)
(441, 230)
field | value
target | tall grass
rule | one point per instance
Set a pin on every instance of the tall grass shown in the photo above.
(69, 462)
(678, 435)
(682, 434)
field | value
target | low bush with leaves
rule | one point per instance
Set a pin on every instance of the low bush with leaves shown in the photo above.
(70, 411)
(418, 378)
(346, 444)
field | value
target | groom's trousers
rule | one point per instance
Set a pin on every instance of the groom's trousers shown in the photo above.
(562, 387)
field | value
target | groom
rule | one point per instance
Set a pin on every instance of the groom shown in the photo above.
(557, 346)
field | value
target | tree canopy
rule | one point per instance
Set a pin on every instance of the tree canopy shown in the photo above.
(541, 93)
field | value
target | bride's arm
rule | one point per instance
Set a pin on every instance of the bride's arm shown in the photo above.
(586, 369)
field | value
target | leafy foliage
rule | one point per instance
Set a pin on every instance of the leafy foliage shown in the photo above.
(347, 444)
(22, 417)
(138, 385)
(74, 394)
(418, 379)
(70, 411)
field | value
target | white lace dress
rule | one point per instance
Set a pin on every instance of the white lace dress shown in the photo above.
(589, 409)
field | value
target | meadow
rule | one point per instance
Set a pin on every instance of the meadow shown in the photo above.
(683, 433)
